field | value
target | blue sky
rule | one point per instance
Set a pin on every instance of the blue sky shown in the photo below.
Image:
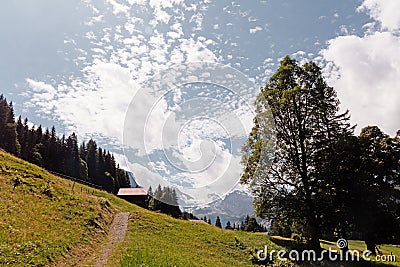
(77, 64)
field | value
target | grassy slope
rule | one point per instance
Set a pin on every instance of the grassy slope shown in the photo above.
(46, 219)
(158, 240)
(46, 222)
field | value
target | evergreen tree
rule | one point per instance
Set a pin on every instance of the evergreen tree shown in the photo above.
(228, 226)
(61, 155)
(8, 132)
(91, 160)
(218, 222)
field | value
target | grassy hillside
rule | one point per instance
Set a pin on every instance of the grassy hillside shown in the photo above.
(46, 219)
(49, 221)
(158, 240)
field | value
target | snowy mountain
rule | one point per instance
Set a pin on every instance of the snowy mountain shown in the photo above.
(233, 207)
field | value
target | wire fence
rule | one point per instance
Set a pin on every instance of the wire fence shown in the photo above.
(77, 180)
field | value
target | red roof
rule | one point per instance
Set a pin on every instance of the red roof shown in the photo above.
(132, 192)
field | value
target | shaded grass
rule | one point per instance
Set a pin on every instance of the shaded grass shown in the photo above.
(360, 246)
(353, 245)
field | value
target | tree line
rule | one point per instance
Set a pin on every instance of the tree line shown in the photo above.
(43, 147)
(249, 224)
(165, 200)
(317, 179)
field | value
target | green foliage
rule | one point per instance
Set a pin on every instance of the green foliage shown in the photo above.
(321, 174)
(307, 125)
(228, 226)
(8, 132)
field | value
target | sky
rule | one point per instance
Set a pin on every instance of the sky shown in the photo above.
(144, 77)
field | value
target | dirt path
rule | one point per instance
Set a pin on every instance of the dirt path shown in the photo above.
(116, 235)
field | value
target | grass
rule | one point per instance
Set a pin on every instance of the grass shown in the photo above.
(49, 221)
(360, 246)
(46, 220)
(42, 220)
(158, 240)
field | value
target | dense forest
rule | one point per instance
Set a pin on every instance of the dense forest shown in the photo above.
(64, 155)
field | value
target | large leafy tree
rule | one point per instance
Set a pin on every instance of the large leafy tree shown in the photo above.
(378, 180)
(307, 127)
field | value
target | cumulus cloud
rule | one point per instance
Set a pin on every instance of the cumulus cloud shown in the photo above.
(384, 11)
(365, 70)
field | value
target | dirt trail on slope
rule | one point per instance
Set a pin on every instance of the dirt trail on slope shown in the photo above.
(116, 235)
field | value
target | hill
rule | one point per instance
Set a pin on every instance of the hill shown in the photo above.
(46, 220)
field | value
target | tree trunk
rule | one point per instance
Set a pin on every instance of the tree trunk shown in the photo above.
(314, 229)
(314, 237)
(343, 235)
(371, 246)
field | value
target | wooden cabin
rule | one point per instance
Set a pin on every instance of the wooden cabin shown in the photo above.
(136, 196)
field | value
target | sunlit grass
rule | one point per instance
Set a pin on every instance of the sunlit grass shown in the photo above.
(42, 219)
(158, 240)
(46, 221)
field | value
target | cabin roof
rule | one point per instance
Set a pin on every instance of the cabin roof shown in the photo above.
(132, 192)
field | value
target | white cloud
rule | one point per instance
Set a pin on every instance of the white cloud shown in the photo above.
(366, 74)
(196, 51)
(365, 70)
(118, 7)
(255, 29)
(41, 87)
(43, 94)
(96, 105)
(117, 61)
(384, 11)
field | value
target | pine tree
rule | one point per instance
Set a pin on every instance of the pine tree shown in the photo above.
(9, 132)
(218, 222)
(60, 154)
(91, 160)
